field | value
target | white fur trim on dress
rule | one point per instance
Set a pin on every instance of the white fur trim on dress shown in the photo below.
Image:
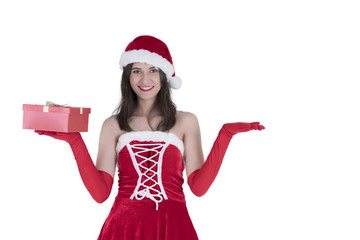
(155, 136)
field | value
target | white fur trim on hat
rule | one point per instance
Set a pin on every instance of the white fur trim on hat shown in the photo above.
(145, 56)
(175, 82)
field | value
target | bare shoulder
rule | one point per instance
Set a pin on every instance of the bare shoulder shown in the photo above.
(186, 117)
(111, 127)
(187, 120)
(110, 122)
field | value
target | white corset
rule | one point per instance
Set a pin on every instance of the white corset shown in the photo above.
(148, 166)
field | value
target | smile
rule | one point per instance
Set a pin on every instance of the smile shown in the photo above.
(146, 89)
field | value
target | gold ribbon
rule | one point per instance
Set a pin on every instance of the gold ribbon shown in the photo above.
(52, 104)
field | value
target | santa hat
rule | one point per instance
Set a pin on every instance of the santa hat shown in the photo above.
(153, 51)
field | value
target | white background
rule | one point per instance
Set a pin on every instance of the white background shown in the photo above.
(292, 65)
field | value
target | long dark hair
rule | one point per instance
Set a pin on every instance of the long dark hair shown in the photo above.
(128, 103)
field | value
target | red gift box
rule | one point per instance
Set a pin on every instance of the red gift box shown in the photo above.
(56, 118)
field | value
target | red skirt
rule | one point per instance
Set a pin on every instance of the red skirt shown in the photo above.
(131, 219)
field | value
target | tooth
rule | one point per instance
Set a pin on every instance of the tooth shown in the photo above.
(145, 88)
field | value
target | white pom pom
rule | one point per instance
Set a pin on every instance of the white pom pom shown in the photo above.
(175, 82)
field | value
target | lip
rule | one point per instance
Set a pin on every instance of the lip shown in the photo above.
(145, 88)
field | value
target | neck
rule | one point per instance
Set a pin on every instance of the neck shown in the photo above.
(145, 108)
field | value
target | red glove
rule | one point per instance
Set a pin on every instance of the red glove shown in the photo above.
(98, 183)
(201, 179)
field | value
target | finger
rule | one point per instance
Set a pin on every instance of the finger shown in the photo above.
(52, 134)
(39, 132)
(48, 133)
(254, 125)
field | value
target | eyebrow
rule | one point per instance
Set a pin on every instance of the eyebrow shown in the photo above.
(137, 68)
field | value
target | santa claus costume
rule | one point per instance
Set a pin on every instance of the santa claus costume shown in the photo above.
(150, 204)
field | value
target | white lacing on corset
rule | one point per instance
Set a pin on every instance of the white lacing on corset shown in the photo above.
(150, 182)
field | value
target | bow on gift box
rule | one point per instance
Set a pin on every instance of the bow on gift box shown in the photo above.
(52, 104)
(49, 103)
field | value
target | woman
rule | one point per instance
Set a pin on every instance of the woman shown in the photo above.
(151, 143)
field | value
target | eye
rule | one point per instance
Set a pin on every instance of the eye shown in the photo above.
(136, 71)
(154, 70)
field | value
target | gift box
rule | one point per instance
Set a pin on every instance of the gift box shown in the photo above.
(55, 118)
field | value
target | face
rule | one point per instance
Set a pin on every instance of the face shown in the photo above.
(145, 80)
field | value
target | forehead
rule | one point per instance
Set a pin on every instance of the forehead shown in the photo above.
(142, 65)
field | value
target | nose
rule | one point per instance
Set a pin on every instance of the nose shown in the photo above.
(145, 78)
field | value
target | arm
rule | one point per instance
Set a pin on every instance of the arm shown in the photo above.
(201, 175)
(97, 179)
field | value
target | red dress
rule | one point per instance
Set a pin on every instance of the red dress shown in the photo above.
(150, 204)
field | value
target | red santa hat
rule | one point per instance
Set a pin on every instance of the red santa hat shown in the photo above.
(153, 51)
